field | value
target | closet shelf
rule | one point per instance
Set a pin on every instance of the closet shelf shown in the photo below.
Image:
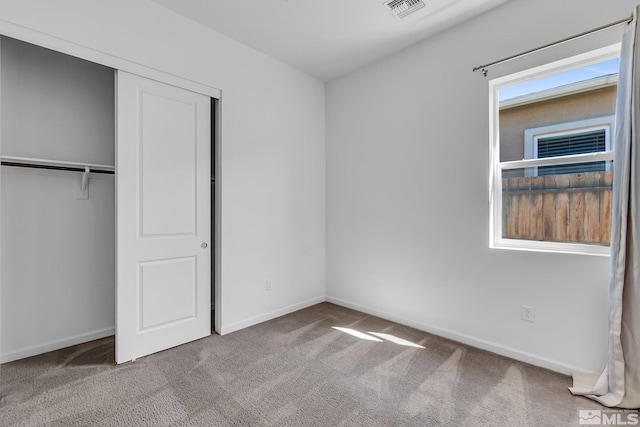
(26, 162)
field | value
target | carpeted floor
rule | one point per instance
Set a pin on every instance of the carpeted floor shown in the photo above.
(297, 370)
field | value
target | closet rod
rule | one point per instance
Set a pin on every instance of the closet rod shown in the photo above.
(484, 68)
(53, 167)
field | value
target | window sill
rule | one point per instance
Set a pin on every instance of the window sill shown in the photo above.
(551, 247)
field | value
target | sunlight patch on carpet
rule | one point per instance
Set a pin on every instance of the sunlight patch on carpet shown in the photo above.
(378, 337)
(357, 334)
(396, 340)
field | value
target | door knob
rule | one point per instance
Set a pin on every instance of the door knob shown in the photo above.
(204, 245)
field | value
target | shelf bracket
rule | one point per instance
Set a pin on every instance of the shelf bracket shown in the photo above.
(83, 191)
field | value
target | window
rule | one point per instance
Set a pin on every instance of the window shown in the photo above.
(567, 138)
(552, 155)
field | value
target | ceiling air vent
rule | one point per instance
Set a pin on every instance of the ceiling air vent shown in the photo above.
(402, 8)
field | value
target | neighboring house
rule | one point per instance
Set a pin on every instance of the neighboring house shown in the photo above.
(565, 203)
(566, 111)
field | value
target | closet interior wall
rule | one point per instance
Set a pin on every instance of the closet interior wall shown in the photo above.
(57, 277)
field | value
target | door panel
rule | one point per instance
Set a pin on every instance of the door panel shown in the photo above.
(168, 170)
(163, 217)
(166, 292)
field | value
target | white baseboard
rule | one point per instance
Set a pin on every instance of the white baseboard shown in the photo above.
(55, 345)
(227, 329)
(493, 347)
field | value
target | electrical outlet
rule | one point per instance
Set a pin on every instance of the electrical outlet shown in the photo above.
(269, 285)
(528, 313)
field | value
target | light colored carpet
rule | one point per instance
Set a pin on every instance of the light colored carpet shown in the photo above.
(297, 370)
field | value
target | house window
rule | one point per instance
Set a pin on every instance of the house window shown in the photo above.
(563, 139)
(552, 156)
(576, 143)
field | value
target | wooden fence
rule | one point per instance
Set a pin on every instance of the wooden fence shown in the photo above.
(561, 208)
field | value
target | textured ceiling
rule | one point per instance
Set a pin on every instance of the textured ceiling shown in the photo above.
(326, 38)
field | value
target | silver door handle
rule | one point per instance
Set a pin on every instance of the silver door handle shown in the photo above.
(204, 245)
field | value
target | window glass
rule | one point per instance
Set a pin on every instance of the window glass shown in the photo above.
(563, 207)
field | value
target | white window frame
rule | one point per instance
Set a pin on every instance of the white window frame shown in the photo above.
(496, 167)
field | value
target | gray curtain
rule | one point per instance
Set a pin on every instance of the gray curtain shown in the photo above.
(619, 384)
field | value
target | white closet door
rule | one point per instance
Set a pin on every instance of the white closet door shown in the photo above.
(163, 217)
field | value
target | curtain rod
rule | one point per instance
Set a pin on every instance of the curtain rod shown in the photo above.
(484, 67)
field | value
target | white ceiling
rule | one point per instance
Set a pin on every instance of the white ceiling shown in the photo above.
(326, 38)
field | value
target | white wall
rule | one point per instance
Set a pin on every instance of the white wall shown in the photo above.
(407, 194)
(272, 175)
(55, 106)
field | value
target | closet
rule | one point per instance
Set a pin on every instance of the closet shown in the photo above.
(57, 241)
(88, 250)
